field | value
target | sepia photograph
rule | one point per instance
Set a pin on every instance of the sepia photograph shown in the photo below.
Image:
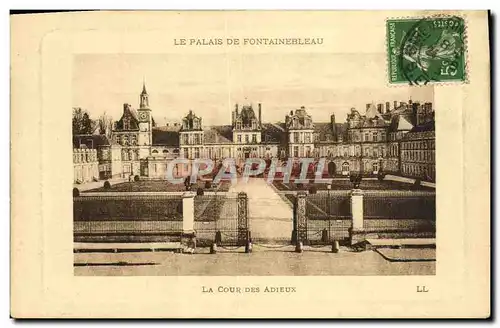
(249, 165)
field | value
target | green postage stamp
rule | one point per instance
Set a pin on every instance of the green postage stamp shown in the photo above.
(426, 50)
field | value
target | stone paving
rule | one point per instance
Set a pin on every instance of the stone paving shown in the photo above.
(271, 218)
(262, 262)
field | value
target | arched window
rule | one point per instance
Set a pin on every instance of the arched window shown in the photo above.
(165, 151)
(155, 151)
(345, 167)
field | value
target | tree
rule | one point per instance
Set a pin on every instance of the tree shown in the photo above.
(105, 124)
(82, 123)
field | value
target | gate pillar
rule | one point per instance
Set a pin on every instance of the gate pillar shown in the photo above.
(300, 220)
(243, 226)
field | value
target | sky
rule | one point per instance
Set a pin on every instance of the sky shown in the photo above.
(211, 84)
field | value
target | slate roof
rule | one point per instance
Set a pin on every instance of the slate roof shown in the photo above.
(90, 141)
(273, 133)
(218, 134)
(430, 126)
(134, 122)
(166, 136)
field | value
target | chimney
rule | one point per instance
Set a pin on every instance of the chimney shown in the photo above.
(367, 106)
(332, 122)
(395, 104)
(236, 109)
(387, 107)
(260, 114)
(291, 113)
(379, 108)
(126, 107)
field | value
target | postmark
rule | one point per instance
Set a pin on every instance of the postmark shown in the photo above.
(426, 50)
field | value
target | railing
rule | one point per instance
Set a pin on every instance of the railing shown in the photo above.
(388, 214)
(159, 217)
(134, 207)
(327, 206)
(399, 206)
(217, 219)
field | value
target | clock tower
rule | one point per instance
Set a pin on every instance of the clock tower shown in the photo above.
(145, 123)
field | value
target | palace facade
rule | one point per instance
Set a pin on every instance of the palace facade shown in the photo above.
(395, 138)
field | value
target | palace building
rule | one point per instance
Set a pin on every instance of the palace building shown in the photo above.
(397, 139)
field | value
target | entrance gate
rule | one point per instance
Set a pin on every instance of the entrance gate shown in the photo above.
(222, 218)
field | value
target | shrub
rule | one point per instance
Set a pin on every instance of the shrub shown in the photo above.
(107, 185)
(381, 176)
(208, 184)
(76, 192)
(313, 190)
(136, 178)
(200, 192)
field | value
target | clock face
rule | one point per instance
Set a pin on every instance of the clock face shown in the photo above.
(143, 115)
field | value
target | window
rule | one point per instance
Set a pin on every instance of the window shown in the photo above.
(197, 153)
(375, 153)
(155, 151)
(375, 167)
(186, 153)
(254, 138)
(295, 137)
(239, 138)
(196, 139)
(126, 124)
(345, 167)
(246, 138)
(375, 136)
(295, 151)
(165, 151)
(238, 125)
(185, 139)
(308, 151)
(308, 137)
(133, 139)
(366, 136)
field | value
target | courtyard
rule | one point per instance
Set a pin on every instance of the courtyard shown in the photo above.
(262, 262)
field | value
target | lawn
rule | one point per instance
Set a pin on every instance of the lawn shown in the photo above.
(347, 185)
(158, 186)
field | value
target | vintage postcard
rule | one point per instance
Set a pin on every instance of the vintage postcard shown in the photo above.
(221, 162)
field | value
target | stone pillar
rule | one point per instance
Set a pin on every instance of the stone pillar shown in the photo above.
(300, 220)
(188, 213)
(357, 232)
(357, 208)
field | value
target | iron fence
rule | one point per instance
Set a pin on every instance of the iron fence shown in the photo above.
(218, 218)
(133, 207)
(388, 214)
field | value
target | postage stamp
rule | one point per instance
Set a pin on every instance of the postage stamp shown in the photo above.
(426, 50)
